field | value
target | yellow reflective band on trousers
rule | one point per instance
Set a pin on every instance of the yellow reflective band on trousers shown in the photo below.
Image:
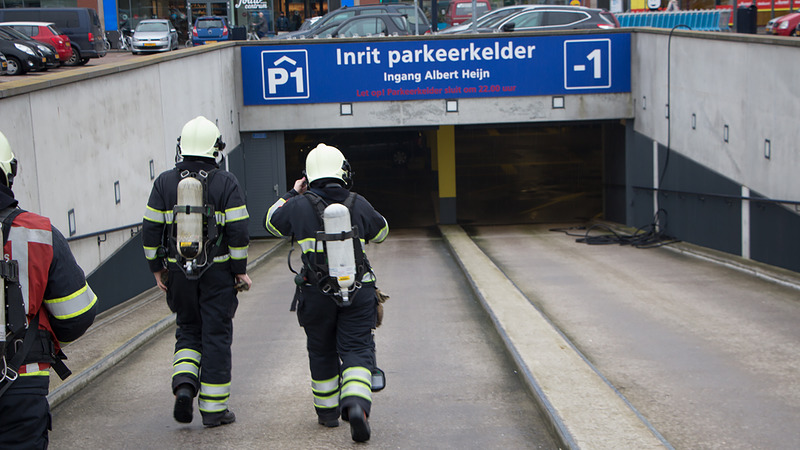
(357, 382)
(72, 305)
(326, 392)
(329, 402)
(213, 398)
(186, 361)
(325, 386)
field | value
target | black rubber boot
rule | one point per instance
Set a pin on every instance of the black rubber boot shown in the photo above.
(330, 423)
(216, 420)
(184, 397)
(359, 425)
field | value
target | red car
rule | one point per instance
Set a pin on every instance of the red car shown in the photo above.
(47, 33)
(784, 25)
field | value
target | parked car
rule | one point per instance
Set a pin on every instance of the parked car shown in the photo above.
(210, 29)
(415, 17)
(47, 33)
(3, 64)
(459, 11)
(555, 18)
(487, 20)
(82, 25)
(154, 35)
(366, 26)
(48, 51)
(308, 23)
(21, 56)
(785, 25)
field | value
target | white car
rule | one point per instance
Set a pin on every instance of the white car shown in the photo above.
(154, 35)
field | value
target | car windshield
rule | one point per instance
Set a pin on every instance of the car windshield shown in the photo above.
(209, 23)
(411, 14)
(152, 26)
(495, 19)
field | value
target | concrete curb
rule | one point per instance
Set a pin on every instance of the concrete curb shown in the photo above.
(80, 380)
(585, 411)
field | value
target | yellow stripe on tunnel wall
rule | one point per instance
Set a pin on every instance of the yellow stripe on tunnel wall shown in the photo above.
(446, 151)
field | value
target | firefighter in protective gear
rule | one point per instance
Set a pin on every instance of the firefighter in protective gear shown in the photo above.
(54, 303)
(203, 299)
(341, 349)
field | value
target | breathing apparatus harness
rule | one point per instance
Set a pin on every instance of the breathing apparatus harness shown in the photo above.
(317, 271)
(17, 339)
(194, 256)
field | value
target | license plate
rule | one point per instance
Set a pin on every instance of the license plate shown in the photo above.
(149, 44)
(44, 60)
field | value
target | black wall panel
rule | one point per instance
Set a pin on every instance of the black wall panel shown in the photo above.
(773, 234)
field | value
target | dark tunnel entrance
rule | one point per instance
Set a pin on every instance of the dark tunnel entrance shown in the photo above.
(517, 173)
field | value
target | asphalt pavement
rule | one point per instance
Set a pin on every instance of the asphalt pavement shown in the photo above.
(450, 381)
(494, 337)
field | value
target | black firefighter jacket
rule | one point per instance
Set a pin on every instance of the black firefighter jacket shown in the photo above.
(294, 215)
(222, 191)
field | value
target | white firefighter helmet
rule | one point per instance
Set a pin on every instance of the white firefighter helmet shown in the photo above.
(325, 161)
(200, 137)
(8, 163)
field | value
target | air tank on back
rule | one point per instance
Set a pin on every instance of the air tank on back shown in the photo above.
(189, 223)
(341, 257)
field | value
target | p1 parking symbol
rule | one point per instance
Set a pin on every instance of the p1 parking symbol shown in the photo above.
(587, 64)
(285, 74)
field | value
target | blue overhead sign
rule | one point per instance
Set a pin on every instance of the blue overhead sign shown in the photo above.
(436, 69)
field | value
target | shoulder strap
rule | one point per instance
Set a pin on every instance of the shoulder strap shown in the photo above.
(7, 216)
(317, 202)
(9, 271)
(349, 201)
(16, 308)
(19, 357)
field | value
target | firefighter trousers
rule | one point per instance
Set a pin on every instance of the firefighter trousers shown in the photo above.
(25, 414)
(204, 308)
(341, 349)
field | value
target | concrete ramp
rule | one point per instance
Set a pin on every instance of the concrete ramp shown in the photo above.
(584, 409)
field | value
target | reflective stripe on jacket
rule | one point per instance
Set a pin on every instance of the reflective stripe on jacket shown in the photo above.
(294, 215)
(53, 285)
(230, 215)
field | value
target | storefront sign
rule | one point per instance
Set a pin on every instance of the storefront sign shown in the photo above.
(251, 4)
(436, 69)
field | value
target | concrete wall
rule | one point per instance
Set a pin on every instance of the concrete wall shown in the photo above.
(432, 112)
(748, 83)
(79, 132)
